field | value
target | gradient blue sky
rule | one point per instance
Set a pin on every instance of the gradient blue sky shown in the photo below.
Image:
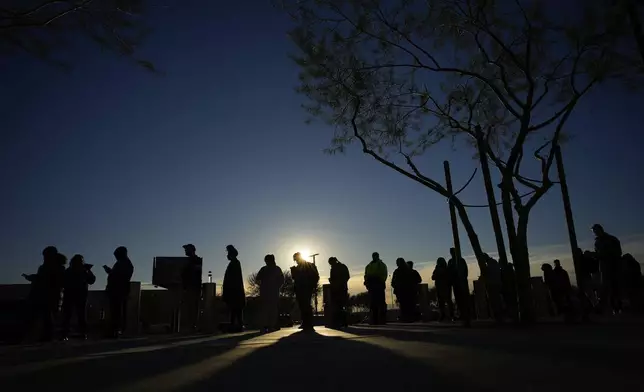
(215, 151)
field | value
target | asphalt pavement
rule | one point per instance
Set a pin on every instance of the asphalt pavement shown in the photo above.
(394, 357)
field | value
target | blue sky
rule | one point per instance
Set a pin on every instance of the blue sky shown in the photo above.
(215, 151)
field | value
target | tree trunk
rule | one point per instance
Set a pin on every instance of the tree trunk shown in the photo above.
(518, 242)
(521, 258)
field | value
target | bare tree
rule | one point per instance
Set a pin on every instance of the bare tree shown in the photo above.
(401, 76)
(43, 28)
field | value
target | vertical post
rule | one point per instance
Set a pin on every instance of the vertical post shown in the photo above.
(491, 198)
(569, 222)
(315, 293)
(452, 210)
(461, 294)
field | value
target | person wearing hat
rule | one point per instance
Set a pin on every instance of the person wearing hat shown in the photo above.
(191, 282)
(233, 293)
(118, 289)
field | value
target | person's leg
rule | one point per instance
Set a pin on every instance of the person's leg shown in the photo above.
(81, 315)
(68, 307)
(373, 306)
(306, 310)
(47, 315)
(115, 315)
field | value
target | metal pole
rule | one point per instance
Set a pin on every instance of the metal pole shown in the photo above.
(315, 293)
(491, 198)
(570, 223)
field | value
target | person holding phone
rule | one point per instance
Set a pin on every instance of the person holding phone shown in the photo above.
(118, 289)
(78, 278)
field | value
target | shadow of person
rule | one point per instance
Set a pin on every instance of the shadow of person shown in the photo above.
(116, 367)
(327, 360)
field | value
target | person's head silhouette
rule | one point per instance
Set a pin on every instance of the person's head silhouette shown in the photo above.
(269, 260)
(400, 262)
(333, 260)
(49, 253)
(190, 250)
(452, 252)
(120, 253)
(598, 229)
(375, 256)
(232, 252)
(441, 262)
(77, 261)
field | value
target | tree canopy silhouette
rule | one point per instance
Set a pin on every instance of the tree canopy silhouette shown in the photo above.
(399, 77)
(44, 28)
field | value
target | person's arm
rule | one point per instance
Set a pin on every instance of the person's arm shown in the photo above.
(280, 279)
(30, 277)
(91, 278)
(107, 269)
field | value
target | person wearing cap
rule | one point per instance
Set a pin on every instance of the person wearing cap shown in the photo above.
(305, 277)
(118, 289)
(234, 294)
(375, 276)
(609, 252)
(78, 278)
(338, 280)
(191, 285)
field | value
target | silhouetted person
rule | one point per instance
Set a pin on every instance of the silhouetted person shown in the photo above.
(118, 290)
(561, 288)
(509, 289)
(78, 278)
(191, 285)
(591, 278)
(404, 284)
(419, 280)
(375, 276)
(338, 280)
(440, 276)
(234, 294)
(270, 279)
(608, 250)
(546, 268)
(633, 281)
(305, 278)
(494, 286)
(458, 281)
(47, 285)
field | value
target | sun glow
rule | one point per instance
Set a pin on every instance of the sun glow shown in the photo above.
(305, 252)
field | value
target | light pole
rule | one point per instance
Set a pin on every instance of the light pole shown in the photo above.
(316, 287)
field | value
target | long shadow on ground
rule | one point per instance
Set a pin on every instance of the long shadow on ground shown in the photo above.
(316, 363)
(615, 345)
(111, 369)
(19, 355)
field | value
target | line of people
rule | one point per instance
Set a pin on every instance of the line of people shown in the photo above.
(448, 277)
(53, 282)
(607, 277)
